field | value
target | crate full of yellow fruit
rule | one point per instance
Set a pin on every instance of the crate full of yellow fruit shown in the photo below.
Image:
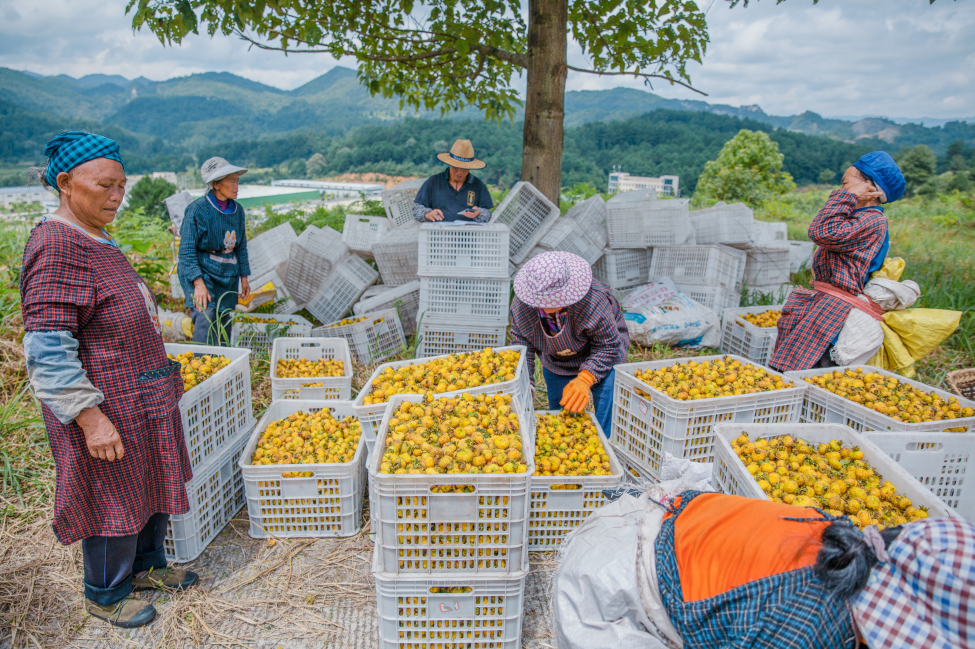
(829, 466)
(372, 337)
(256, 331)
(311, 368)
(304, 470)
(493, 370)
(574, 463)
(449, 483)
(870, 399)
(751, 332)
(671, 406)
(216, 402)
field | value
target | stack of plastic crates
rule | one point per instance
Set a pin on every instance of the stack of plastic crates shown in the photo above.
(398, 202)
(723, 223)
(767, 266)
(590, 214)
(464, 287)
(373, 337)
(800, 255)
(360, 233)
(313, 255)
(450, 568)
(396, 254)
(638, 219)
(529, 215)
(621, 269)
(404, 298)
(343, 288)
(711, 265)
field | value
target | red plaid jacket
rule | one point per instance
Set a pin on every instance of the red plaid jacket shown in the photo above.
(848, 240)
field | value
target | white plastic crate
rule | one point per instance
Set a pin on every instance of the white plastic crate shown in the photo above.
(376, 338)
(373, 291)
(216, 494)
(371, 415)
(258, 335)
(333, 388)
(529, 215)
(621, 269)
(767, 266)
(822, 406)
(723, 223)
(397, 255)
(360, 233)
(590, 214)
(329, 503)
(939, 461)
(423, 612)
(398, 202)
(313, 256)
(220, 407)
(269, 251)
(465, 299)
(175, 288)
(466, 250)
(742, 338)
(438, 335)
(731, 477)
(800, 255)
(638, 219)
(770, 235)
(422, 533)
(342, 289)
(714, 265)
(716, 298)
(553, 513)
(284, 304)
(647, 427)
(405, 299)
(570, 236)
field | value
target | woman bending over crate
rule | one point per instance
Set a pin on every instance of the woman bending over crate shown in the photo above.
(852, 235)
(109, 395)
(714, 570)
(574, 324)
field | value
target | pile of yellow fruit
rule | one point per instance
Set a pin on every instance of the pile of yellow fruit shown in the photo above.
(293, 368)
(829, 476)
(716, 378)
(568, 444)
(253, 319)
(766, 319)
(446, 374)
(308, 438)
(449, 589)
(197, 369)
(469, 434)
(348, 321)
(887, 395)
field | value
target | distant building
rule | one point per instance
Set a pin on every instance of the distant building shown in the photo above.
(168, 176)
(624, 182)
(26, 194)
(334, 187)
(257, 195)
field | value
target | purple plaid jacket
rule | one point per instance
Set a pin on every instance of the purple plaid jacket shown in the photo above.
(848, 240)
(596, 321)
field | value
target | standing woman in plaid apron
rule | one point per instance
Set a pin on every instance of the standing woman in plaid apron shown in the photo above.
(109, 394)
(853, 238)
(213, 254)
(728, 571)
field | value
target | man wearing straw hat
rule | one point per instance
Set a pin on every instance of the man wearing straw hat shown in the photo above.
(455, 195)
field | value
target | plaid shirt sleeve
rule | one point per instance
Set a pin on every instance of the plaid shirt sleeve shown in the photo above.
(603, 323)
(521, 325)
(838, 225)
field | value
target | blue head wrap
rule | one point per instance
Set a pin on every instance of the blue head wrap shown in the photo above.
(879, 167)
(72, 148)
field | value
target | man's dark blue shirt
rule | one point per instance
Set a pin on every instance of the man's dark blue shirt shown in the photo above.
(437, 194)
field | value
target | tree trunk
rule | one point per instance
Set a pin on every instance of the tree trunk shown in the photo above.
(541, 161)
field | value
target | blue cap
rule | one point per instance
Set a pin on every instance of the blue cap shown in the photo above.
(879, 167)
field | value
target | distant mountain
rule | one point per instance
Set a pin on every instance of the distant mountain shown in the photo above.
(929, 122)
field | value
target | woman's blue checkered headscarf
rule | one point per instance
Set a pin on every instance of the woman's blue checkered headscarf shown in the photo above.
(72, 148)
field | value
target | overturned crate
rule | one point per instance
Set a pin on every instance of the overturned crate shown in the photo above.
(529, 215)
(397, 255)
(360, 233)
(313, 256)
(344, 286)
(398, 202)
(590, 215)
(404, 298)
(269, 251)
(638, 219)
(570, 236)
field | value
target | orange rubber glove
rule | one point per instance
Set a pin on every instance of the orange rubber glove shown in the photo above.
(576, 394)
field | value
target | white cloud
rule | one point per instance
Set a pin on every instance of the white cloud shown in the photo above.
(838, 57)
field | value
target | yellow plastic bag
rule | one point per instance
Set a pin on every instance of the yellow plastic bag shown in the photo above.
(892, 269)
(912, 334)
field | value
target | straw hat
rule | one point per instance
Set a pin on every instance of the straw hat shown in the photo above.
(553, 280)
(462, 156)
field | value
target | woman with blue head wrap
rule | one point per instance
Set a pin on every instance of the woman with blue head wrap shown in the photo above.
(109, 394)
(853, 240)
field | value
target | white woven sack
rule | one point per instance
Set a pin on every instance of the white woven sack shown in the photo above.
(859, 339)
(891, 295)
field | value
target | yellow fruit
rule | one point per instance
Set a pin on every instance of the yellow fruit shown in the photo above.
(253, 319)
(765, 319)
(724, 377)
(348, 321)
(308, 438)
(197, 369)
(568, 444)
(300, 368)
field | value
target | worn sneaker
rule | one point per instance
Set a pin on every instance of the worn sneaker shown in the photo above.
(129, 613)
(164, 579)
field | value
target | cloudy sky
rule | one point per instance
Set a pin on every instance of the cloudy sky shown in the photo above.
(898, 58)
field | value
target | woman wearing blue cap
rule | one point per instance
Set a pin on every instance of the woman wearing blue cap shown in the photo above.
(109, 395)
(853, 239)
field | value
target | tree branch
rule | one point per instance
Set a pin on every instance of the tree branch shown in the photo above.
(640, 74)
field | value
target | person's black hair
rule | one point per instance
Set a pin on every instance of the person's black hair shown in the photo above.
(845, 560)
